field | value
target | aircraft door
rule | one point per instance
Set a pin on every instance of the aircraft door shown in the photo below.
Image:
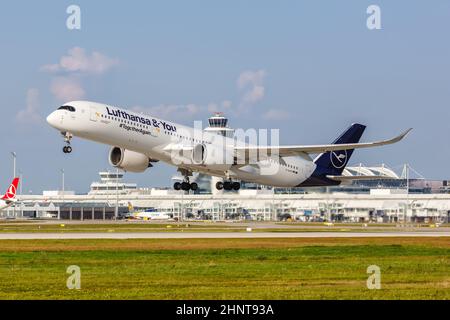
(94, 114)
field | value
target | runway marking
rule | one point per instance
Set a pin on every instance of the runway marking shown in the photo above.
(217, 235)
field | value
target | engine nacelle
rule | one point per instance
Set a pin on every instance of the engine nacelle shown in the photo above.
(129, 160)
(212, 155)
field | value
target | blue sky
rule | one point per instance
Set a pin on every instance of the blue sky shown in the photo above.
(313, 67)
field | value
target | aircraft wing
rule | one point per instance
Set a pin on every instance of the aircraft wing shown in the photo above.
(307, 149)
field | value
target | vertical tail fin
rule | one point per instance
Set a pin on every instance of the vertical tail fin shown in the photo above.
(334, 162)
(12, 190)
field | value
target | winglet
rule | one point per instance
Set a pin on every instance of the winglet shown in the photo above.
(401, 136)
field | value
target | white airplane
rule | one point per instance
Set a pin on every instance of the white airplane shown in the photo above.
(138, 141)
(10, 196)
(150, 214)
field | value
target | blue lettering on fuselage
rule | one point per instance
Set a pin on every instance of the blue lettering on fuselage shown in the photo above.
(149, 122)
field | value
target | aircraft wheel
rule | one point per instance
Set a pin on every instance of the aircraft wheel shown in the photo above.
(227, 185)
(67, 149)
(177, 186)
(194, 186)
(236, 186)
(219, 185)
(185, 186)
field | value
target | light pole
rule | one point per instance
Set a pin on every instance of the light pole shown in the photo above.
(62, 193)
(407, 194)
(21, 182)
(14, 175)
(20, 190)
(63, 181)
(14, 163)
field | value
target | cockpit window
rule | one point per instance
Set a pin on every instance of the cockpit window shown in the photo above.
(68, 108)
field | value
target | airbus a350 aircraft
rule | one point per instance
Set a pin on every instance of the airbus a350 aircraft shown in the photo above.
(138, 141)
(10, 196)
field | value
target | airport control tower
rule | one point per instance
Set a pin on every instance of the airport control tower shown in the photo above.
(218, 124)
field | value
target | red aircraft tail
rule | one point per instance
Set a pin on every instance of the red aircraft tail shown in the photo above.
(12, 190)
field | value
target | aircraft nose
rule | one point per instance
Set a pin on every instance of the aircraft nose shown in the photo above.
(51, 119)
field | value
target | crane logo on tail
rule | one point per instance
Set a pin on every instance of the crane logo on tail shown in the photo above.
(338, 158)
(11, 193)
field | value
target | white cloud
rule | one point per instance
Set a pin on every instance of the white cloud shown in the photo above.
(276, 114)
(249, 83)
(226, 104)
(72, 68)
(167, 111)
(30, 114)
(78, 61)
(251, 78)
(254, 95)
(252, 85)
(66, 89)
(182, 112)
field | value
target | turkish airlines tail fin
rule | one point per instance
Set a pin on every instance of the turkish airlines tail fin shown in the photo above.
(12, 190)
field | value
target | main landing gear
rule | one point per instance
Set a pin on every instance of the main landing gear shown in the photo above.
(67, 137)
(228, 185)
(185, 185)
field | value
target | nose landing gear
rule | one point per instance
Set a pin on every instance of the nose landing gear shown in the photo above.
(67, 137)
(67, 149)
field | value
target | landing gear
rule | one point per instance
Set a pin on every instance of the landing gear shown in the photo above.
(185, 185)
(67, 137)
(228, 185)
(67, 149)
(194, 186)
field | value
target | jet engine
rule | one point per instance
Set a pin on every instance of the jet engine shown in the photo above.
(129, 160)
(212, 155)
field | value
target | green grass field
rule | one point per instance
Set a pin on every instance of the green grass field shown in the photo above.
(226, 268)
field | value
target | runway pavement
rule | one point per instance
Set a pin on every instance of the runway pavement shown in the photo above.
(216, 235)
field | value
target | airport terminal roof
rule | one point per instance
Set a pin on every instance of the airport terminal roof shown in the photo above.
(370, 171)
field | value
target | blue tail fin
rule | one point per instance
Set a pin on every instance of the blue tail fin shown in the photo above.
(333, 163)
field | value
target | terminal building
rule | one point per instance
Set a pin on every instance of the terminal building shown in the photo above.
(380, 205)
